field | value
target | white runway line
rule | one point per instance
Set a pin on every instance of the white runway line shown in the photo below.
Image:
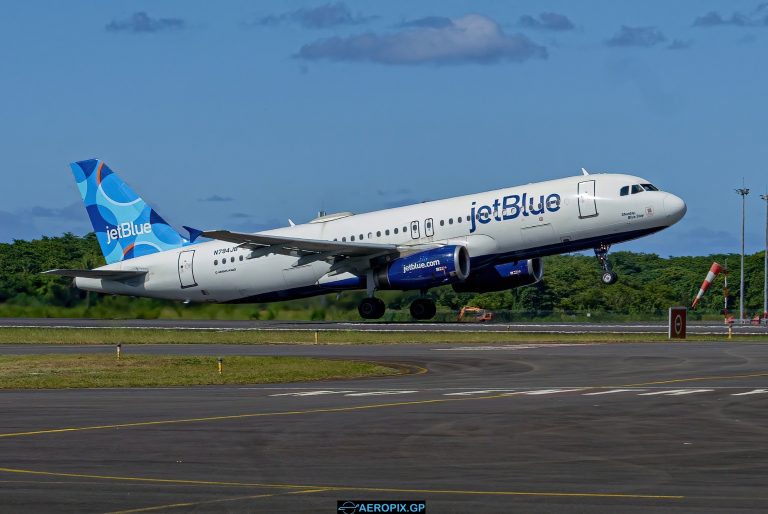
(381, 393)
(665, 391)
(754, 391)
(509, 347)
(676, 392)
(551, 391)
(612, 391)
(486, 391)
(692, 391)
(311, 393)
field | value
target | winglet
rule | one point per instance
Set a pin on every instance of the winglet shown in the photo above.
(291, 223)
(584, 172)
(193, 233)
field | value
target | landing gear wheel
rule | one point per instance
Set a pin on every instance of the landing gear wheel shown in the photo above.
(371, 308)
(423, 308)
(610, 277)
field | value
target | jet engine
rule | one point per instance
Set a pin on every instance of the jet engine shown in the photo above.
(430, 268)
(502, 276)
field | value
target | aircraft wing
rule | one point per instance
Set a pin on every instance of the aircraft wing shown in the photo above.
(288, 245)
(96, 273)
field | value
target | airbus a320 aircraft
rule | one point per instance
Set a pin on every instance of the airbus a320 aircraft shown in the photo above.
(476, 243)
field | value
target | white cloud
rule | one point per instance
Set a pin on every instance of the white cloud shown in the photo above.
(470, 39)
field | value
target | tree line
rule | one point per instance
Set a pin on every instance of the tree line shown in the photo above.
(648, 285)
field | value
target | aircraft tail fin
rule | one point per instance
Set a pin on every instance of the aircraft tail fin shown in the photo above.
(125, 225)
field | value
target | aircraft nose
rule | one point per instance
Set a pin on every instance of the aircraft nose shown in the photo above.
(675, 207)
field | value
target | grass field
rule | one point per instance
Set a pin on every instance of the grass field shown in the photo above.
(76, 371)
(158, 336)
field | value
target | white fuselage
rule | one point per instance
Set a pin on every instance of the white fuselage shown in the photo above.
(558, 216)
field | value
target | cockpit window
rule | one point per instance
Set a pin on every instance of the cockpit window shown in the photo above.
(650, 187)
(624, 191)
(636, 188)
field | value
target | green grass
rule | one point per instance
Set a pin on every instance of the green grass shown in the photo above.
(76, 371)
(158, 336)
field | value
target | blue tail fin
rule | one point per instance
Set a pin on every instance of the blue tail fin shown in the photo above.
(125, 225)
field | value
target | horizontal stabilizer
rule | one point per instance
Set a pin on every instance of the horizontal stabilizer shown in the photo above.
(97, 273)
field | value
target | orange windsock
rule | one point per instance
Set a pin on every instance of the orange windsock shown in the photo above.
(714, 271)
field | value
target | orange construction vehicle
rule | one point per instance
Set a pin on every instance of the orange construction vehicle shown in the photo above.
(474, 315)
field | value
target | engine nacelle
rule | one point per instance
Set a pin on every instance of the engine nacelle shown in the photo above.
(502, 276)
(430, 268)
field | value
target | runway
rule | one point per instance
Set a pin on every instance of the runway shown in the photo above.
(520, 327)
(478, 428)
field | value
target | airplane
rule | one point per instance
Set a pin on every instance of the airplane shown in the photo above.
(480, 242)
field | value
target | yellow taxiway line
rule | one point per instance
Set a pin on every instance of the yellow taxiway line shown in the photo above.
(305, 488)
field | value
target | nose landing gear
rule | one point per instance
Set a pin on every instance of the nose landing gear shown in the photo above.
(609, 277)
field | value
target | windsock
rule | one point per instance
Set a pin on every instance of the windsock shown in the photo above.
(714, 271)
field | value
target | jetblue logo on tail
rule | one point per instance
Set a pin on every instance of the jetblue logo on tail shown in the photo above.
(124, 224)
(127, 230)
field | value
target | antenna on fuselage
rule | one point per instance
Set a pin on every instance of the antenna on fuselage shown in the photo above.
(584, 172)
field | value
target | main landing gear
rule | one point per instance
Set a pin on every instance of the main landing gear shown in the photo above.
(371, 308)
(609, 277)
(423, 308)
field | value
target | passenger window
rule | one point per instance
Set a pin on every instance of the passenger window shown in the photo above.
(636, 189)
(450, 221)
(429, 224)
(442, 222)
(386, 232)
(361, 237)
(216, 262)
(241, 258)
(378, 233)
(351, 238)
(405, 229)
(232, 259)
(395, 231)
(458, 219)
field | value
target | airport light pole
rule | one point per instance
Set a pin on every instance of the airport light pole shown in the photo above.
(765, 264)
(743, 192)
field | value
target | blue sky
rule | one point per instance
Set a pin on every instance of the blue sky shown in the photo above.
(240, 115)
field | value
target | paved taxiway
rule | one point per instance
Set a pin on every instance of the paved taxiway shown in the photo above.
(528, 327)
(487, 428)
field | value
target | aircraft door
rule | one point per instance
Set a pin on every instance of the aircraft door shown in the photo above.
(429, 228)
(587, 202)
(186, 273)
(415, 230)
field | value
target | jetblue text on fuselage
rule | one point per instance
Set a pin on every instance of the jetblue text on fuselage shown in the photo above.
(512, 206)
(127, 229)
